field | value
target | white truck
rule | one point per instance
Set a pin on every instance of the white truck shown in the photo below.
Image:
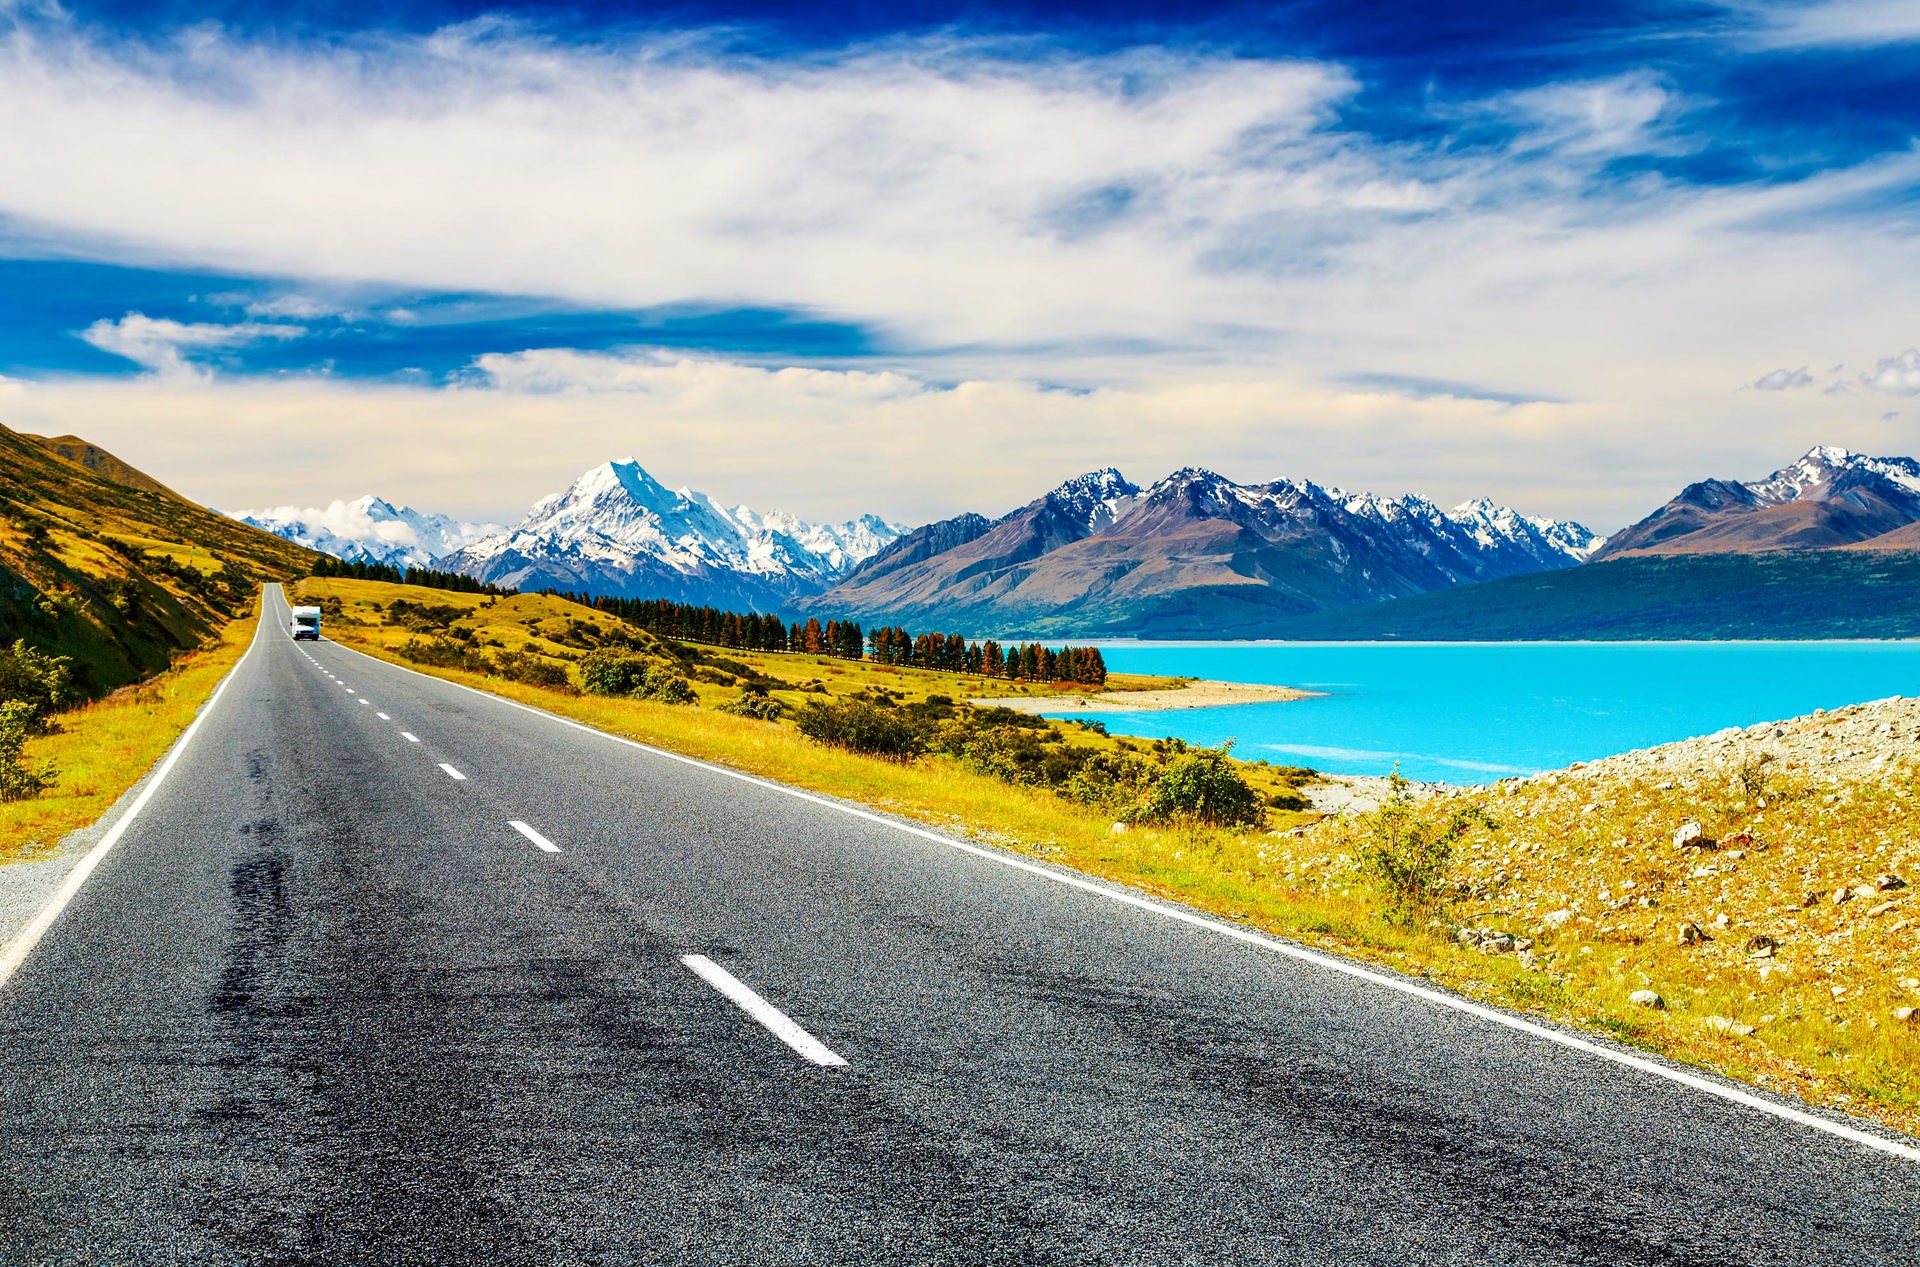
(305, 623)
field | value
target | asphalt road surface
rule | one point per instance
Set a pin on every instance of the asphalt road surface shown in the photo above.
(389, 971)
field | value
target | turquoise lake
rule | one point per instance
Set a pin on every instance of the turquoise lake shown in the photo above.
(1474, 712)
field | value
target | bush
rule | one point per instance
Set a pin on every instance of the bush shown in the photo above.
(1288, 799)
(1201, 785)
(442, 654)
(756, 704)
(42, 682)
(17, 783)
(605, 672)
(861, 727)
(1407, 857)
(518, 666)
(1111, 780)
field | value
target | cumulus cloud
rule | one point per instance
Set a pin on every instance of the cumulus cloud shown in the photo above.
(1783, 380)
(1899, 375)
(163, 346)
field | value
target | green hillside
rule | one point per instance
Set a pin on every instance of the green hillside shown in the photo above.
(114, 574)
(1807, 594)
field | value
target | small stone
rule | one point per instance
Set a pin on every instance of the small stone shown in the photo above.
(1555, 919)
(1648, 998)
(1761, 946)
(1865, 890)
(1523, 944)
(1875, 912)
(1721, 920)
(1691, 934)
(1118, 829)
(1809, 899)
(1842, 895)
(1467, 936)
(1690, 836)
(1727, 1025)
(1888, 883)
(1905, 1014)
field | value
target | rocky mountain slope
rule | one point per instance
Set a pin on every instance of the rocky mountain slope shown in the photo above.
(370, 530)
(1195, 554)
(1830, 498)
(618, 531)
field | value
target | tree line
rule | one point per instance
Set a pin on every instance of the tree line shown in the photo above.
(844, 639)
(429, 578)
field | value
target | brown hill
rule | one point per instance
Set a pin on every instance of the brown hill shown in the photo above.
(110, 567)
(101, 463)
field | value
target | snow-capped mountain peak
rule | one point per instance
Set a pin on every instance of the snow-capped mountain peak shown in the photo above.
(1821, 465)
(370, 529)
(618, 530)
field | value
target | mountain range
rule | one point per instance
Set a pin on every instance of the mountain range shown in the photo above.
(370, 530)
(1193, 555)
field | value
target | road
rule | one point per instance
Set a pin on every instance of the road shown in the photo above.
(325, 1003)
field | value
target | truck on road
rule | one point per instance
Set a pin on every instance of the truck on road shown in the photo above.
(305, 623)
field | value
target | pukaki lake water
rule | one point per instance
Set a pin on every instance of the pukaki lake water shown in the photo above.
(1474, 712)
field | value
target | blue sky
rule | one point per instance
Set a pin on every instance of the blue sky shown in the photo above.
(919, 258)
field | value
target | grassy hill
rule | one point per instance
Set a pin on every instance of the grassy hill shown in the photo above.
(102, 563)
(1802, 594)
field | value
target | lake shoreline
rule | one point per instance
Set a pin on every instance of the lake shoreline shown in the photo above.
(1198, 693)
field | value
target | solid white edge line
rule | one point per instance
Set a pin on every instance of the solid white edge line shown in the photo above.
(541, 841)
(1642, 1064)
(452, 773)
(778, 1023)
(21, 946)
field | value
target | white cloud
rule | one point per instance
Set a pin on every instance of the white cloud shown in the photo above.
(1832, 23)
(1783, 380)
(1899, 375)
(1198, 245)
(162, 346)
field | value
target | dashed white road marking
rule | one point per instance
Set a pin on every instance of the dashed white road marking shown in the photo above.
(409, 736)
(453, 773)
(383, 716)
(544, 844)
(366, 701)
(779, 1023)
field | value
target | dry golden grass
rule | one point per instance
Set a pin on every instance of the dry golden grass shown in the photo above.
(103, 748)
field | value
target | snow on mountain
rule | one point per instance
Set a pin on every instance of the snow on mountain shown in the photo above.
(619, 531)
(1821, 465)
(370, 530)
(1476, 540)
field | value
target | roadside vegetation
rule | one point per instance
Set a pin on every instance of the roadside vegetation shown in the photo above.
(84, 758)
(1494, 894)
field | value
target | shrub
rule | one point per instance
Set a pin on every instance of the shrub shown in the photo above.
(42, 682)
(1110, 780)
(665, 686)
(1288, 799)
(1201, 784)
(605, 672)
(757, 704)
(518, 666)
(1406, 856)
(17, 783)
(442, 654)
(861, 727)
